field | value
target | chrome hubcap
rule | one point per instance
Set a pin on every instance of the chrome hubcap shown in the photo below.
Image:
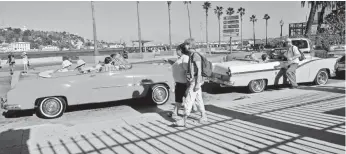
(159, 94)
(322, 78)
(258, 85)
(51, 107)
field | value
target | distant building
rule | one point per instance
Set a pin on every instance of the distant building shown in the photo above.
(5, 47)
(20, 46)
(79, 44)
(50, 48)
(115, 45)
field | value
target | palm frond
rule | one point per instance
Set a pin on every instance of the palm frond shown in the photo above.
(206, 5)
(230, 11)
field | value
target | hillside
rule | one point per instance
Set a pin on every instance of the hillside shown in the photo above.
(39, 39)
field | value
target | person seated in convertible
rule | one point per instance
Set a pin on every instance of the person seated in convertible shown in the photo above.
(119, 61)
(65, 65)
(82, 68)
(108, 66)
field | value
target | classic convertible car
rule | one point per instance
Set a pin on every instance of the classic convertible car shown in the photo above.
(50, 96)
(256, 76)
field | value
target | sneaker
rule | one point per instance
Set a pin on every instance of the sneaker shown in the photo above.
(172, 115)
(180, 123)
(203, 120)
(294, 87)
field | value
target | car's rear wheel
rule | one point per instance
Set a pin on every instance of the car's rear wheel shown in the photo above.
(321, 77)
(51, 107)
(159, 94)
(256, 86)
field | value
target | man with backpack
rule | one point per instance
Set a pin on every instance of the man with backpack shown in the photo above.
(293, 56)
(198, 67)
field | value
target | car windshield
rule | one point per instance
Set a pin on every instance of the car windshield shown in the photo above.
(301, 44)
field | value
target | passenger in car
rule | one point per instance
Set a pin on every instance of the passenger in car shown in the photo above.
(108, 65)
(65, 64)
(82, 68)
(118, 60)
(266, 58)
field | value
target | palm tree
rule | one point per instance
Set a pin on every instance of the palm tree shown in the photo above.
(241, 12)
(266, 17)
(188, 14)
(96, 53)
(139, 29)
(314, 6)
(218, 12)
(253, 19)
(206, 7)
(169, 22)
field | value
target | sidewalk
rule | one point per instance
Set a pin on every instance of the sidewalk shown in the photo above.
(233, 127)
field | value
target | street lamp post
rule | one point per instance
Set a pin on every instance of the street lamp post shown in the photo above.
(281, 24)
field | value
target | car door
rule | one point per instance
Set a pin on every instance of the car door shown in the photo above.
(112, 86)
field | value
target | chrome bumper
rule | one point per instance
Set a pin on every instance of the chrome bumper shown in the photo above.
(5, 106)
(221, 82)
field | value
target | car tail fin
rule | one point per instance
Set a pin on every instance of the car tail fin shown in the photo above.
(15, 79)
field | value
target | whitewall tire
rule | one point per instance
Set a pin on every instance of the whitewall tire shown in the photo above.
(51, 107)
(257, 86)
(321, 77)
(159, 94)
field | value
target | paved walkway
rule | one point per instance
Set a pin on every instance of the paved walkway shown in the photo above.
(269, 123)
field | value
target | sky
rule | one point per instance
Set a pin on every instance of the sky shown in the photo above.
(117, 20)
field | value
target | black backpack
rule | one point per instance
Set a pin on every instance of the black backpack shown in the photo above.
(207, 66)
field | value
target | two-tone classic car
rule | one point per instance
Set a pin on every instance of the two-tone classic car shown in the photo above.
(257, 76)
(51, 96)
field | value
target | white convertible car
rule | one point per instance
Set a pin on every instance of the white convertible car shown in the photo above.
(256, 76)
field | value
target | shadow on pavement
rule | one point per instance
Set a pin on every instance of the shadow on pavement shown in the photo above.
(340, 90)
(14, 141)
(214, 88)
(338, 112)
(18, 114)
(227, 131)
(300, 130)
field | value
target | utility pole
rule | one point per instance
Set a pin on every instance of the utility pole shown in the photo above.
(169, 20)
(201, 24)
(139, 29)
(96, 53)
(230, 42)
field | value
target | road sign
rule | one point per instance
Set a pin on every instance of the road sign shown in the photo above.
(231, 35)
(231, 26)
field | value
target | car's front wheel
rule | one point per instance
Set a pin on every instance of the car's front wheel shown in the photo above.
(159, 94)
(256, 86)
(322, 77)
(51, 107)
